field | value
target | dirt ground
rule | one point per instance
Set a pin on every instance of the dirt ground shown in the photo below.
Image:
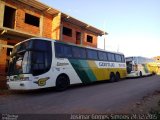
(148, 104)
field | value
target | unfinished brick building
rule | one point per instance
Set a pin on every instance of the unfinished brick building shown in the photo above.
(23, 19)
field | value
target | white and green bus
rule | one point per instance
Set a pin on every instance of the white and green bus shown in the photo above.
(40, 63)
(138, 66)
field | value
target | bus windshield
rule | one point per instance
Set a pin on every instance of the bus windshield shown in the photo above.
(20, 59)
(20, 63)
(30, 57)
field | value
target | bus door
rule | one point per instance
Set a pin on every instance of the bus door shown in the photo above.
(129, 66)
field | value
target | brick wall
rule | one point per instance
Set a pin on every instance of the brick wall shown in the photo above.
(24, 27)
(3, 57)
(83, 32)
(47, 26)
(94, 43)
(68, 38)
(20, 24)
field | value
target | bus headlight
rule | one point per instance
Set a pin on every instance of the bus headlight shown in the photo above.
(24, 78)
(7, 77)
(18, 79)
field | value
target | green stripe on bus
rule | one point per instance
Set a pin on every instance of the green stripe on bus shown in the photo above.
(145, 68)
(83, 70)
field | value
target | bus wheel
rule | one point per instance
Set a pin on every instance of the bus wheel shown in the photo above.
(117, 77)
(62, 82)
(112, 77)
(153, 73)
(140, 74)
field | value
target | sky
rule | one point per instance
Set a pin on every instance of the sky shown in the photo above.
(133, 26)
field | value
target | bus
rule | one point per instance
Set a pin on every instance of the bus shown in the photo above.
(138, 66)
(40, 63)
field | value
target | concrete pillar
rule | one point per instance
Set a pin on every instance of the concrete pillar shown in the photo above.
(56, 27)
(41, 25)
(61, 32)
(2, 8)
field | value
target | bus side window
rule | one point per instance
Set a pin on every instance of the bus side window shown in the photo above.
(102, 56)
(92, 54)
(83, 53)
(67, 51)
(118, 58)
(111, 57)
(59, 50)
(38, 63)
(78, 52)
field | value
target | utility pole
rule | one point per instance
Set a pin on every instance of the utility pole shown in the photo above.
(104, 41)
(118, 48)
(104, 34)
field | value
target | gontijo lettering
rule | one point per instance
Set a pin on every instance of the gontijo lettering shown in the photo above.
(107, 64)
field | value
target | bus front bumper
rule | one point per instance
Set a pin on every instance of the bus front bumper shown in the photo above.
(133, 74)
(21, 85)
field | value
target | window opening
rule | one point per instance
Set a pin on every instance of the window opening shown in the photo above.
(78, 37)
(32, 20)
(89, 39)
(9, 17)
(67, 31)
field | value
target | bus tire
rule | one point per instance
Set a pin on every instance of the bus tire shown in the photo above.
(153, 73)
(117, 77)
(140, 74)
(62, 82)
(112, 77)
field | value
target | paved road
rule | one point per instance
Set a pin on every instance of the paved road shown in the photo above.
(95, 98)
